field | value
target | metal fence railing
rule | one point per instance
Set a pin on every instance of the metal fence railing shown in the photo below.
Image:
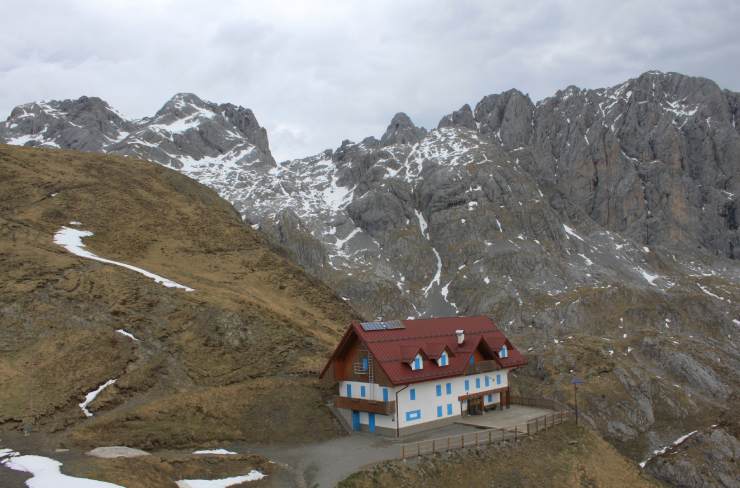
(484, 437)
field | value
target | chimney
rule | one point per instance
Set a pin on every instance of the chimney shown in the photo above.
(460, 336)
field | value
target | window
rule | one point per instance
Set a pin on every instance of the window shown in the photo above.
(439, 390)
(364, 364)
(467, 385)
(418, 363)
(443, 359)
(448, 388)
(449, 409)
(385, 394)
(477, 382)
(498, 379)
(349, 390)
(439, 410)
(490, 398)
(412, 394)
(488, 380)
(413, 415)
(362, 391)
(504, 352)
(472, 360)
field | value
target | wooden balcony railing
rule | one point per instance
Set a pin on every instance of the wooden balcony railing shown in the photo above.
(482, 367)
(363, 405)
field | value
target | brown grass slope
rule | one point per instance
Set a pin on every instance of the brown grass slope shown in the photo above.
(232, 360)
(566, 456)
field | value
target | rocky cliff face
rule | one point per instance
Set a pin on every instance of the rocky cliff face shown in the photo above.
(599, 227)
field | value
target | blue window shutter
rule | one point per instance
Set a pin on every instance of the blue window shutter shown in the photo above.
(490, 398)
(364, 364)
(488, 380)
(477, 382)
(412, 394)
(449, 388)
(362, 391)
(439, 410)
(472, 359)
(349, 390)
(449, 409)
(498, 379)
(385, 394)
(467, 385)
(417, 363)
(439, 390)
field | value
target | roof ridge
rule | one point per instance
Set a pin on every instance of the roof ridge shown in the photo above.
(416, 337)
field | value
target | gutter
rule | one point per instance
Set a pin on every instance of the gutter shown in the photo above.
(398, 419)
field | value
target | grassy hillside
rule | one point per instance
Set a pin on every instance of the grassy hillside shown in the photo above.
(232, 360)
(565, 456)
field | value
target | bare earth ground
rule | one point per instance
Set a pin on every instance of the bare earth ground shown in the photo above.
(234, 360)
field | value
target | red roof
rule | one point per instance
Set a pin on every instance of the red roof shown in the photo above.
(393, 349)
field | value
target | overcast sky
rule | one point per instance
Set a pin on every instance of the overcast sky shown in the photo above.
(318, 72)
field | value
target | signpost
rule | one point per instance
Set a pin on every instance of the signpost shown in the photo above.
(575, 382)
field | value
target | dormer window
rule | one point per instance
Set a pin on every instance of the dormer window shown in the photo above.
(504, 352)
(444, 359)
(417, 363)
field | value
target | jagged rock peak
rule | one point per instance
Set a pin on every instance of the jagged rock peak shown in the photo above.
(463, 117)
(182, 104)
(506, 117)
(402, 130)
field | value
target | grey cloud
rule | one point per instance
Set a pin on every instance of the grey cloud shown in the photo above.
(318, 72)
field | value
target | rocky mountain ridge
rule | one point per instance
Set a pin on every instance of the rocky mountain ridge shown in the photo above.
(652, 161)
(599, 227)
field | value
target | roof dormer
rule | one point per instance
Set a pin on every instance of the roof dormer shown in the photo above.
(417, 363)
(444, 359)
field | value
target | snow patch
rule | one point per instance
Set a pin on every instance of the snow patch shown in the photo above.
(341, 242)
(71, 240)
(224, 452)
(437, 275)
(423, 226)
(46, 473)
(713, 295)
(662, 450)
(253, 475)
(127, 334)
(570, 231)
(650, 278)
(92, 395)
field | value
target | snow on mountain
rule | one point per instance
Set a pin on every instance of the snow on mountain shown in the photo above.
(543, 197)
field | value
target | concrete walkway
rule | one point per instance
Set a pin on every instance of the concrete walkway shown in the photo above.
(507, 418)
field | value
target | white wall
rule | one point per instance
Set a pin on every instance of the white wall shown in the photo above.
(426, 400)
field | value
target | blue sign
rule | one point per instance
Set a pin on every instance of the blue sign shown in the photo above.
(576, 381)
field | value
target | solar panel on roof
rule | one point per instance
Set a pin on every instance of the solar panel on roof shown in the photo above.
(389, 325)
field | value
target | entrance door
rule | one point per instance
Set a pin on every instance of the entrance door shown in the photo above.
(355, 420)
(475, 406)
(371, 422)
